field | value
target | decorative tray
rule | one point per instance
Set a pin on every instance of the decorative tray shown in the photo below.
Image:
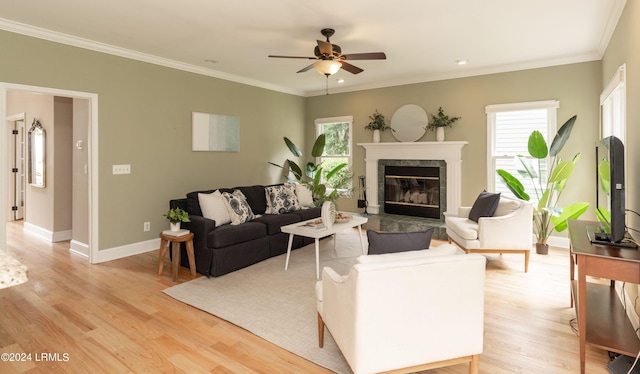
(342, 218)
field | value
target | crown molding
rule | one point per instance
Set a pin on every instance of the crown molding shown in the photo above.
(57, 37)
(610, 27)
(464, 74)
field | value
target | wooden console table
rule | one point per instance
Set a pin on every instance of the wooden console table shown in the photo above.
(602, 320)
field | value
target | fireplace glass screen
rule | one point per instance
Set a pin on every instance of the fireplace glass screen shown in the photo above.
(412, 190)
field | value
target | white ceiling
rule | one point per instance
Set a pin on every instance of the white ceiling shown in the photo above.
(422, 38)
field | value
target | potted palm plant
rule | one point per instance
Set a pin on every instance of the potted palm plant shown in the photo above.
(175, 217)
(311, 175)
(547, 215)
(377, 125)
(439, 122)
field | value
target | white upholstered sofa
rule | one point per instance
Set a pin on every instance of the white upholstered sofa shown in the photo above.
(509, 230)
(406, 311)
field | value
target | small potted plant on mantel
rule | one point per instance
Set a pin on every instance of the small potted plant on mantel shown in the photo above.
(175, 217)
(439, 122)
(377, 125)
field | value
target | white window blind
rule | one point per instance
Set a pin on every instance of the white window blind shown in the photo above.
(509, 127)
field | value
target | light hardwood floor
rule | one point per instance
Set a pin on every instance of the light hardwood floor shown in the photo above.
(113, 318)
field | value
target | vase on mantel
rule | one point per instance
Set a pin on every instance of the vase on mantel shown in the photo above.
(440, 134)
(376, 136)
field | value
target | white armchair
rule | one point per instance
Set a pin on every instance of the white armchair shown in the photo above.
(406, 312)
(510, 230)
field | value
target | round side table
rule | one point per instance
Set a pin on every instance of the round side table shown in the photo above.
(175, 254)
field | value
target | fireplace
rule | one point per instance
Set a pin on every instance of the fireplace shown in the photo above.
(412, 191)
(413, 187)
(447, 154)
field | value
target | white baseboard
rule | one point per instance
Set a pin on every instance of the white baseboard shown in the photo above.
(61, 236)
(50, 236)
(558, 241)
(79, 248)
(127, 250)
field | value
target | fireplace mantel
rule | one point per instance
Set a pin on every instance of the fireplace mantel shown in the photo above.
(449, 152)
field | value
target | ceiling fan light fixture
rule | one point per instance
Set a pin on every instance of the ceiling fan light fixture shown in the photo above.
(327, 67)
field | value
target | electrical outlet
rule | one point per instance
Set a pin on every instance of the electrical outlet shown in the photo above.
(147, 226)
(121, 169)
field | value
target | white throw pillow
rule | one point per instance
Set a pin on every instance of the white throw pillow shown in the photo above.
(441, 250)
(213, 207)
(305, 197)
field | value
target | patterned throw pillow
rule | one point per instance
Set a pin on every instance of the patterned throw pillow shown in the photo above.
(239, 209)
(281, 199)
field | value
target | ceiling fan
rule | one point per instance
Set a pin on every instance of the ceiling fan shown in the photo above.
(329, 57)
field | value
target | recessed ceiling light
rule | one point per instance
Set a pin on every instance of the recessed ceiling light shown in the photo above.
(340, 80)
(461, 62)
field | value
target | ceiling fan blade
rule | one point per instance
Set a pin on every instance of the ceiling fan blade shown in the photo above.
(307, 68)
(350, 68)
(325, 48)
(365, 56)
(306, 58)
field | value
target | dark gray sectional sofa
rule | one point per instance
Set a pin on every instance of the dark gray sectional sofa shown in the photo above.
(221, 249)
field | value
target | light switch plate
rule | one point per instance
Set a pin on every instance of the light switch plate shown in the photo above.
(121, 169)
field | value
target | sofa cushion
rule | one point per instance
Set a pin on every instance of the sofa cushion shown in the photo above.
(464, 227)
(484, 206)
(227, 235)
(213, 207)
(275, 221)
(441, 250)
(307, 214)
(281, 199)
(239, 209)
(389, 242)
(255, 197)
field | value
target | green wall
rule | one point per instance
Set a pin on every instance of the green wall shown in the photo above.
(145, 120)
(623, 49)
(576, 86)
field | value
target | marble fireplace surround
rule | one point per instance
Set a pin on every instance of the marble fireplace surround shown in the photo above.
(449, 152)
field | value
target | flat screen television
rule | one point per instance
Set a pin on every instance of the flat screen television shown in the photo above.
(610, 194)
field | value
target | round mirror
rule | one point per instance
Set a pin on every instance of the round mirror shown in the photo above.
(409, 122)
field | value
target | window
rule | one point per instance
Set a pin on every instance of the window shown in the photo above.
(337, 149)
(508, 130)
(612, 106)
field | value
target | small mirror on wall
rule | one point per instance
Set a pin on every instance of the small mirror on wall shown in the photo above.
(37, 164)
(215, 132)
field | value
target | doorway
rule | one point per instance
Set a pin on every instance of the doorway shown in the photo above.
(91, 167)
(17, 163)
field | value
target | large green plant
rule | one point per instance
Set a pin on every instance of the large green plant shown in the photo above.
(547, 215)
(311, 175)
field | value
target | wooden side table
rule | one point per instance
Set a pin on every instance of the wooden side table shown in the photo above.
(175, 255)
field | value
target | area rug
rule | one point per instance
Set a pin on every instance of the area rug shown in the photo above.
(278, 305)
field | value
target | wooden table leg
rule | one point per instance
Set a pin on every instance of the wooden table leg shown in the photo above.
(192, 262)
(163, 250)
(582, 310)
(175, 265)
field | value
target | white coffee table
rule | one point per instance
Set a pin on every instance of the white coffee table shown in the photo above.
(300, 229)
